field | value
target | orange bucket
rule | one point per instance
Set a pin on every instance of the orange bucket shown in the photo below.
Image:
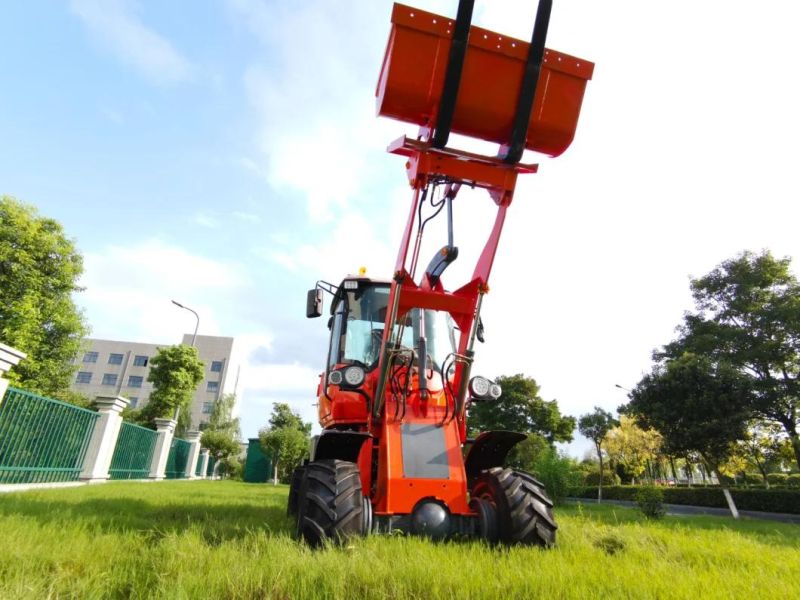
(413, 71)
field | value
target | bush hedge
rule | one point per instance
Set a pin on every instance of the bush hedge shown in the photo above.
(793, 480)
(777, 478)
(784, 501)
(608, 478)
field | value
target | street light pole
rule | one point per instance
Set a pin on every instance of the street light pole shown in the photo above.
(196, 316)
(622, 388)
(194, 339)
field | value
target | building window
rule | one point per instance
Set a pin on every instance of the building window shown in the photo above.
(208, 408)
(133, 401)
(203, 426)
(139, 361)
(110, 379)
(216, 366)
(135, 381)
(83, 377)
(90, 357)
(115, 359)
(212, 386)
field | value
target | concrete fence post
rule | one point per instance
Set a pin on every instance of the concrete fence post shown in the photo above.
(166, 430)
(8, 358)
(104, 438)
(203, 463)
(193, 437)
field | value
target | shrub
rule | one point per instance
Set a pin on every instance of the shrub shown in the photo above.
(609, 478)
(785, 501)
(557, 473)
(777, 478)
(650, 500)
(793, 480)
(753, 479)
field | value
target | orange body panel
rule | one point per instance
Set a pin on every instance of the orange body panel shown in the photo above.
(412, 76)
(349, 408)
(398, 494)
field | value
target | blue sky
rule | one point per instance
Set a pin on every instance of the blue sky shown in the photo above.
(226, 154)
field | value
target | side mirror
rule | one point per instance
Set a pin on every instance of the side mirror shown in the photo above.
(314, 303)
(479, 332)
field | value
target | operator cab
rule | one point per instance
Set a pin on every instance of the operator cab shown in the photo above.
(358, 317)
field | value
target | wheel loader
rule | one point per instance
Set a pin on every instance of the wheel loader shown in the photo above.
(394, 452)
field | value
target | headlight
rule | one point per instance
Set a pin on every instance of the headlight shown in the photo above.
(354, 376)
(479, 386)
(335, 378)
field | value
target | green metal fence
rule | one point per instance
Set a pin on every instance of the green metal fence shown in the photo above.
(133, 452)
(198, 471)
(177, 459)
(42, 440)
(211, 463)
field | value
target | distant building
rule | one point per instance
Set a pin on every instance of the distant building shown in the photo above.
(117, 368)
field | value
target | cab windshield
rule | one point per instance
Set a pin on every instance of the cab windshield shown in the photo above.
(358, 321)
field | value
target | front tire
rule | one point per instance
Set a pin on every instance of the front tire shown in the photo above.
(330, 502)
(524, 512)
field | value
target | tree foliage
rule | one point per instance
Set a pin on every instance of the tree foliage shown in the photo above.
(557, 472)
(285, 439)
(525, 454)
(595, 426)
(221, 437)
(748, 316)
(697, 406)
(520, 408)
(763, 448)
(39, 270)
(175, 372)
(632, 446)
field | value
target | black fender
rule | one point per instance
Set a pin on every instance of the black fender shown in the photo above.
(489, 450)
(340, 445)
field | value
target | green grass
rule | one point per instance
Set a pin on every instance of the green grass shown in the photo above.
(231, 540)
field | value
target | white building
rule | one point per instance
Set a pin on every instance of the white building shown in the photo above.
(118, 368)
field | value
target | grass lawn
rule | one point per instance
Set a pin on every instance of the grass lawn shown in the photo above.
(231, 540)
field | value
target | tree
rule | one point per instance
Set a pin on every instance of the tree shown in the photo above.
(525, 454)
(748, 316)
(520, 408)
(175, 372)
(632, 446)
(284, 417)
(39, 270)
(221, 437)
(697, 406)
(557, 472)
(762, 447)
(222, 419)
(595, 426)
(286, 440)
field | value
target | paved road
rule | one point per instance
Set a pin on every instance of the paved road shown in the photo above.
(683, 510)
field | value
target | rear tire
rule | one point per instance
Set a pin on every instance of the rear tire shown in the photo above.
(330, 502)
(524, 512)
(294, 490)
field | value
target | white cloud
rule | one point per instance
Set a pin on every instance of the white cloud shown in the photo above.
(312, 92)
(247, 217)
(205, 220)
(129, 288)
(115, 24)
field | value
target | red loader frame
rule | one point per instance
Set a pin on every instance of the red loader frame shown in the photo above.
(395, 421)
